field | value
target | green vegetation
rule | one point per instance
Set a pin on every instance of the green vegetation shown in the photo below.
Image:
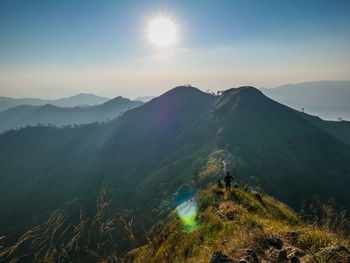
(231, 223)
(174, 144)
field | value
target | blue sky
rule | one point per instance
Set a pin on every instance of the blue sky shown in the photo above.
(59, 48)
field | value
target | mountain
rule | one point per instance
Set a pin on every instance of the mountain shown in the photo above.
(326, 99)
(145, 98)
(151, 154)
(81, 99)
(22, 116)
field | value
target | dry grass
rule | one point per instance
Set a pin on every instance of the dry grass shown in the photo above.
(58, 240)
(231, 223)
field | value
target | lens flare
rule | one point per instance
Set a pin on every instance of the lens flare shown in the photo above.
(187, 212)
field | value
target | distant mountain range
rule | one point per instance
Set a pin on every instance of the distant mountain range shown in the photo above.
(145, 98)
(81, 99)
(24, 115)
(326, 99)
(151, 152)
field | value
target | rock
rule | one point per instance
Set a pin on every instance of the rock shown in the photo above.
(277, 255)
(282, 256)
(219, 257)
(294, 259)
(224, 242)
(296, 252)
(273, 253)
(251, 256)
(274, 242)
(230, 215)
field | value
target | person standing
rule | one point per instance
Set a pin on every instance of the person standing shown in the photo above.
(228, 181)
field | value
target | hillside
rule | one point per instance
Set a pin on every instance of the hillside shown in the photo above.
(210, 226)
(241, 226)
(81, 99)
(152, 152)
(326, 99)
(22, 116)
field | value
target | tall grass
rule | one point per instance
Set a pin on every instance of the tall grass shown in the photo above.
(326, 215)
(58, 240)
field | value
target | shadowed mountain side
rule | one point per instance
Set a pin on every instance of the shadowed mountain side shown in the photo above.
(147, 155)
(288, 155)
(22, 116)
(338, 129)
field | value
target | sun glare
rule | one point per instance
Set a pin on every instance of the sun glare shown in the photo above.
(162, 31)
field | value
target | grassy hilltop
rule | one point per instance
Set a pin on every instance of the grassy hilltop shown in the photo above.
(243, 226)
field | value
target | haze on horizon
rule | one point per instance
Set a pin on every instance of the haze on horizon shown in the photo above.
(52, 49)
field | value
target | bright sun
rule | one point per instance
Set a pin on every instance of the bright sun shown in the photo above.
(162, 31)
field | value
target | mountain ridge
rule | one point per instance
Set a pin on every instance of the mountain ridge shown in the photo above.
(81, 99)
(152, 150)
(48, 114)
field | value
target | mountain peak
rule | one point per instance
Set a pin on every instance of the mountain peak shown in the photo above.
(183, 95)
(117, 99)
(184, 89)
(84, 95)
(234, 98)
(242, 90)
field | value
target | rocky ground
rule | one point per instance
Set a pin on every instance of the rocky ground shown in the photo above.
(276, 250)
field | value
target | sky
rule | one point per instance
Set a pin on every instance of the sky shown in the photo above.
(52, 49)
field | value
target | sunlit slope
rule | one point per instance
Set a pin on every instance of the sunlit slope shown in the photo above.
(238, 226)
